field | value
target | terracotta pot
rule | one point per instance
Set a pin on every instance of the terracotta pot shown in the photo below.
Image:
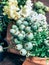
(36, 61)
(8, 39)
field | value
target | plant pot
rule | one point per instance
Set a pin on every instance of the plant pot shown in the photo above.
(36, 61)
(8, 39)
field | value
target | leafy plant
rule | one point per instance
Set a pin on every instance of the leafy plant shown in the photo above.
(21, 2)
(39, 7)
(31, 35)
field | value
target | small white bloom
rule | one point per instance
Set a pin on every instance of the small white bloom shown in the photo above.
(18, 32)
(29, 3)
(48, 50)
(40, 29)
(14, 26)
(46, 41)
(19, 22)
(1, 49)
(20, 36)
(33, 13)
(30, 36)
(23, 52)
(19, 46)
(27, 9)
(13, 7)
(23, 33)
(16, 41)
(28, 54)
(12, 15)
(28, 46)
(42, 17)
(28, 29)
(34, 18)
(45, 26)
(12, 0)
(21, 27)
(12, 31)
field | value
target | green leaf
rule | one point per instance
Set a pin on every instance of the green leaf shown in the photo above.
(21, 2)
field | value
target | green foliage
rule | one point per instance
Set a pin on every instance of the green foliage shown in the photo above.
(39, 7)
(3, 22)
(4, 0)
(21, 2)
(34, 37)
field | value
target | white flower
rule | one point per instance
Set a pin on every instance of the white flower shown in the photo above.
(12, 31)
(23, 52)
(23, 33)
(28, 54)
(27, 9)
(48, 50)
(21, 27)
(18, 32)
(19, 46)
(29, 3)
(40, 29)
(12, 10)
(45, 26)
(42, 17)
(11, 14)
(12, 7)
(29, 36)
(33, 14)
(20, 36)
(34, 18)
(45, 23)
(28, 46)
(1, 49)
(12, 0)
(46, 41)
(14, 26)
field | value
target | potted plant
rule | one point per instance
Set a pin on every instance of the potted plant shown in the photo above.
(29, 35)
(31, 38)
(18, 10)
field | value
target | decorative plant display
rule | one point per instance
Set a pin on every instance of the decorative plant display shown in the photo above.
(39, 7)
(30, 31)
(15, 9)
(31, 35)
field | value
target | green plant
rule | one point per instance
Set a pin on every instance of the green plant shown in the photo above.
(21, 2)
(39, 7)
(33, 34)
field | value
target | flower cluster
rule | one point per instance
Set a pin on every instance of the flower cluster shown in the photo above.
(31, 35)
(14, 12)
(27, 9)
(39, 7)
(11, 9)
